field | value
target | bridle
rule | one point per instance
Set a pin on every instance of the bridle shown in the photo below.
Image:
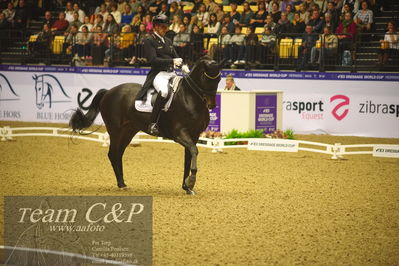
(197, 89)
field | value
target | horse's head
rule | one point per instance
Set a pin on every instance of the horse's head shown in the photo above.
(207, 74)
(39, 90)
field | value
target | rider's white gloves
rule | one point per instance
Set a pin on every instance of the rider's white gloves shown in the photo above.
(177, 62)
(185, 69)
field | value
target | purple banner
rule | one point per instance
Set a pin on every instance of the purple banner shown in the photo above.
(214, 116)
(265, 113)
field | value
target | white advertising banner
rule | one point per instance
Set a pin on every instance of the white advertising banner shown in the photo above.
(313, 103)
(285, 145)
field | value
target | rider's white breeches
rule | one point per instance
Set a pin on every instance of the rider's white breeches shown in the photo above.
(161, 82)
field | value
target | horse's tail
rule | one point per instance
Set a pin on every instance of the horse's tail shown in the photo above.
(81, 121)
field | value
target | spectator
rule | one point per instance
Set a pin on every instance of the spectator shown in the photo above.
(122, 4)
(111, 27)
(329, 23)
(197, 4)
(98, 22)
(308, 41)
(223, 50)
(346, 32)
(21, 15)
(304, 13)
(42, 44)
(126, 43)
(87, 24)
(203, 16)
(290, 14)
(328, 46)
(48, 19)
(246, 15)
(284, 4)
(316, 21)
(155, 7)
(186, 22)
(135, 4)
(219, 13)
(346, 9)
(149, 27)
(99, 44)
(284, 26)
(139, 47)
(70, 41)
(9, 13)
(136, 22)
(81, 13)
(237, 49)
(298, 25)
(4, 24)
(127, 15)
(228, 24)
(140, 11)
(212, 6)
(234, 15)
(213, 26)
(60, 25)
(258, 20)
(103, 11)
(83, 42)
(309, 5)
(69, 12)
(338, 5)
(181, 42)
(164, 10)
(197, 40)
(266, 44)
(269, 23)
(175, 10)
(76, 22)
(251, 42)
(364, 18)
(175, 25)
(116, 14)
(230, 84)
(334, 14)
(353, 4)
(275, 12)
(390, 44)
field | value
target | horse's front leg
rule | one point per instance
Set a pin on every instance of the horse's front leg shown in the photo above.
(189, 182)
(190, 161)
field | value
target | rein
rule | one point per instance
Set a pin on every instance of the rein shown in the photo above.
(191, 83)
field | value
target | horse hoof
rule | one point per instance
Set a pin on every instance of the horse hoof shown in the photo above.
(190, 192)
(122, 186)
(190, 182)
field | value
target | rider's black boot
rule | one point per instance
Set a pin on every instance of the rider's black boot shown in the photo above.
(156, 111)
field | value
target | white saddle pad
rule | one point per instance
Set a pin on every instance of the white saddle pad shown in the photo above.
(145, 106)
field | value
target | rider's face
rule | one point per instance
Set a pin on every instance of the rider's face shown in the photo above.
(161, 29)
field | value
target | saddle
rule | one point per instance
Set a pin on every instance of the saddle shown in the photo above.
(147, 105)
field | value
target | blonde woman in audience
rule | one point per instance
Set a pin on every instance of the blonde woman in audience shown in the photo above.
(136, 21)
(175, 26)
(116, 14)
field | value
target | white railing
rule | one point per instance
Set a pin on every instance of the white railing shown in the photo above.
(217, 145)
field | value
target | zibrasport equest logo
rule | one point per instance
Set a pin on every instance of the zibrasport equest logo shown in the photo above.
(341, 105)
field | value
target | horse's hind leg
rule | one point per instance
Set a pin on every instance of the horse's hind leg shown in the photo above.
(119, 139)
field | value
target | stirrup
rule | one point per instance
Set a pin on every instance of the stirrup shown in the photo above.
(153, 129)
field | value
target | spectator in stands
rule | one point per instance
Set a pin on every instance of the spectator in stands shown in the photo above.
(175, 25)
(345, 9)
(237, 49)
(60, 25)
(87, 24)
(258, 20)
(186, 21)
(111, 27)
(316, 21)
(121, 5)
(346, 32)
(103, 11)
(228, 24)
(155, 7)
(309, 5)
(140, 11)
(197, 4)
(139, 47)
(251, 42)
(99, 21)
(127, 15)
(212, 6)
(203, 16)
(338, 5)
(328, 22)
(175, 10)
(136, 22)
(48, 19)
(4, 24)
(69, 45)
(246, 15)
(42, 44)
(149, 27)
(235, 16)
(290, 14)
(304, 13)
(308, 41)
(334, 14)
(197, 41)
(76, 22)
(83, 42)
(364, 18)
(181, 42)
(230, 84)
(81, 13)
(353, 4)
(219, 13)
(269, 23)
(164, 10)
(69, 12)
(126, 43)
(275, 12)
(9, 13)
(223, 49)
(298, 25)
(116, 14)
(213, 26)
(328, 46)
(284, 26)
(266, 44)
(21, 15)
(134, 4)
(390, 45)
(99, 45)
(284, 4)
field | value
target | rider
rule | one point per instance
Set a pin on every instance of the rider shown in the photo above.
(161, 55)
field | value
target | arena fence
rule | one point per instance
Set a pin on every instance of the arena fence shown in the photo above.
(337, 150)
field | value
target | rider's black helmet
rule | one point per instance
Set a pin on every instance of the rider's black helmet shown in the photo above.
(160, 19)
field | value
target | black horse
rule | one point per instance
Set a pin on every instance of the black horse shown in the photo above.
(187, 117)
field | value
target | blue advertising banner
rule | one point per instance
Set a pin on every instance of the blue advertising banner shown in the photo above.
(214, 116)
(266, 113)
